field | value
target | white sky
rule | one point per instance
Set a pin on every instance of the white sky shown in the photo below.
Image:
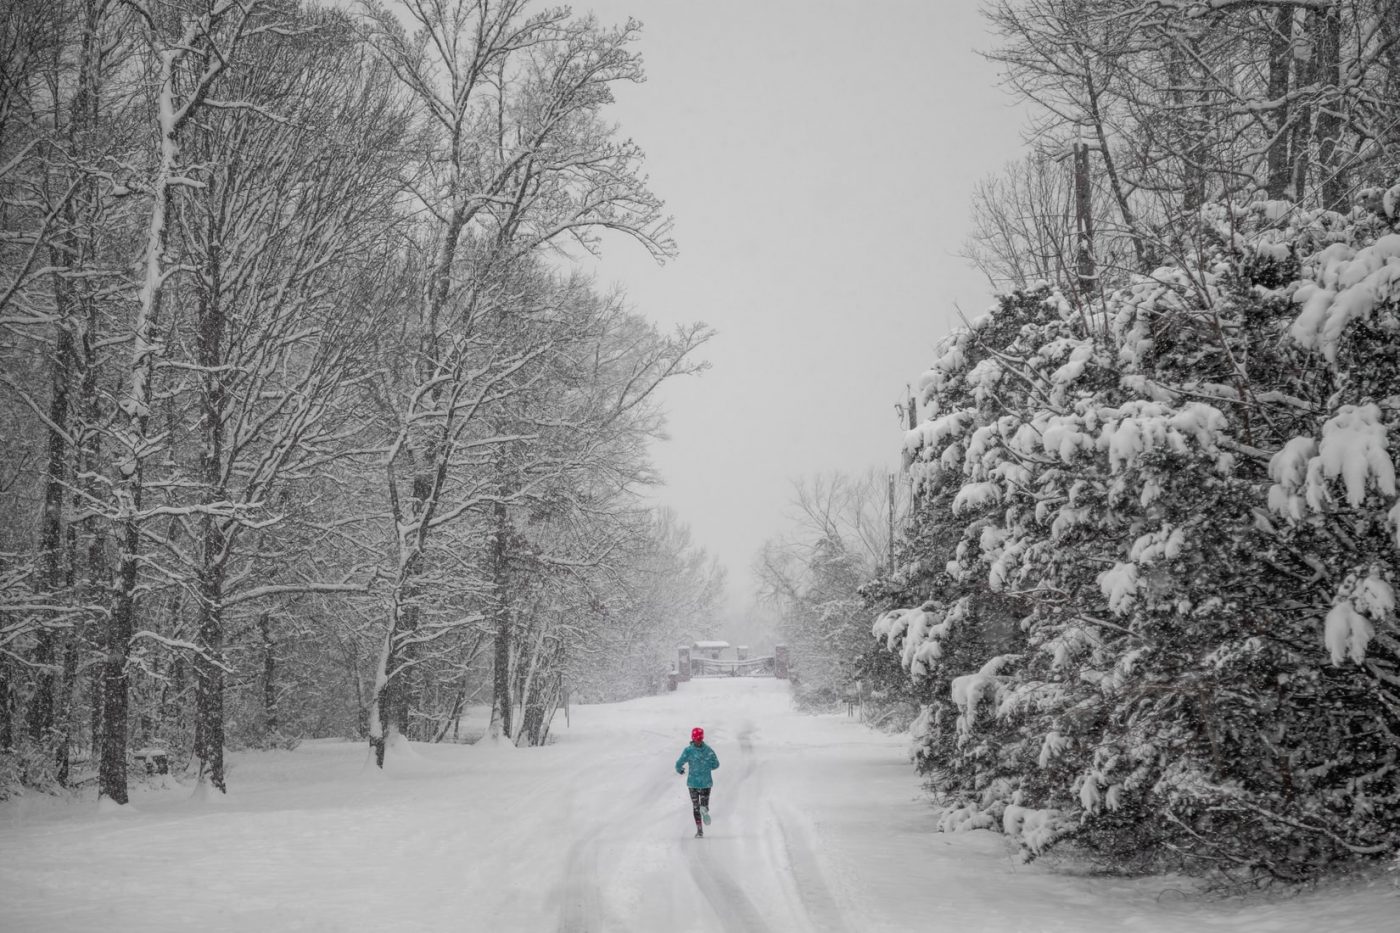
(819, 157)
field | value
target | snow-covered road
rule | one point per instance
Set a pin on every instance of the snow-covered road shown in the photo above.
(818, 825)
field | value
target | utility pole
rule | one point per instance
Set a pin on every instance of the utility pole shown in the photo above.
(1083, 218)
(1086, 269)
(891, 500)
(911, 414)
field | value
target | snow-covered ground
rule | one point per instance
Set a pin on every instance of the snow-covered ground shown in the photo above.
(818, 825)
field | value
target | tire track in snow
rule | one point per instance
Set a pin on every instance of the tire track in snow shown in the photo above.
(731, 905)
(582, 908)
(785, 850)
(813, 889)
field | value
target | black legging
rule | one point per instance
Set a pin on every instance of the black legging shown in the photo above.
(699, 797)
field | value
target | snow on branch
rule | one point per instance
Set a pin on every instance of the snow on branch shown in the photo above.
(1354, 448)
(1360, 601)
(178, 644)
(262, 592)
(1350, 285)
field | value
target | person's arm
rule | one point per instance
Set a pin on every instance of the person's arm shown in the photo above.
(714, 759)
(680, 762)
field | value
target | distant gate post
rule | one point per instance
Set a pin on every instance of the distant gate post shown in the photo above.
(780, 662)
(683, 662)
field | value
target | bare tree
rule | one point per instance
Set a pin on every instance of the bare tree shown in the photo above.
(1023, 224)
(1192, 101)
(579, 464)
(839, 540)
(189, 48)
(57, 57)
(296, 194)
(524, 163)
(1064, 55)
(351, 394)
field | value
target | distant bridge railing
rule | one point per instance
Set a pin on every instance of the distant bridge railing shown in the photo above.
(750, 667)
(686, 666)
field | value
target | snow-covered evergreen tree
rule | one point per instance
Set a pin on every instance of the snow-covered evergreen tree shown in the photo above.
(1149, 587)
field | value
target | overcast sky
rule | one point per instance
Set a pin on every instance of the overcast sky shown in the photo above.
(818, 156)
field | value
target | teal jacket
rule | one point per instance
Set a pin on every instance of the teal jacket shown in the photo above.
(702, 760)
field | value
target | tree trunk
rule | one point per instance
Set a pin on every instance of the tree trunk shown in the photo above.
(56, 570)
(501, 719)
(401, 673)
(111, 773)
(1186, 117)
(1196, 121)
(97, 580)
(133, 416)
(95, 711)
(51, 532)
(209, 673)
(1331, 157)
(1085, 269)
(454, 716)
(7, 719)
(389, 712)
(269, 684)
(524, 684)
(549, 709)
(1300, 150)
(541, 701)
(214, 529)
(1280, 64)
(40, 715)
(378, 719)
(64, 714)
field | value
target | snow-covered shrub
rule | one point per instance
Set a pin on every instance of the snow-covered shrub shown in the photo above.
(26, 763)
(1153, 563)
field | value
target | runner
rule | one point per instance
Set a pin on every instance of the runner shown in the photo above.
(702, 760)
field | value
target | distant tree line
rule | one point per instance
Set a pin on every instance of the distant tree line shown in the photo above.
(312, 425)
(841, 529)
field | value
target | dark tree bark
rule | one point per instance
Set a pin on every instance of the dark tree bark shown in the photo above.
(1280, 70)
(97, 571)
(499, 557)
(7, 718)
(114, 692)
(393, 699)
(269, 685)
(208, 662)
(209, 668)
(52, 552)
(1300, 146)
(1191, 116)
(1331, 157)
(1084, 265)
(67, 252)
(64, 713)
(190, 62)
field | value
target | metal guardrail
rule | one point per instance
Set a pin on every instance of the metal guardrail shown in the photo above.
(750, 667)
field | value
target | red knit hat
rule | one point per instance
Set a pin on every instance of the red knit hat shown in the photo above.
(697, 734)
